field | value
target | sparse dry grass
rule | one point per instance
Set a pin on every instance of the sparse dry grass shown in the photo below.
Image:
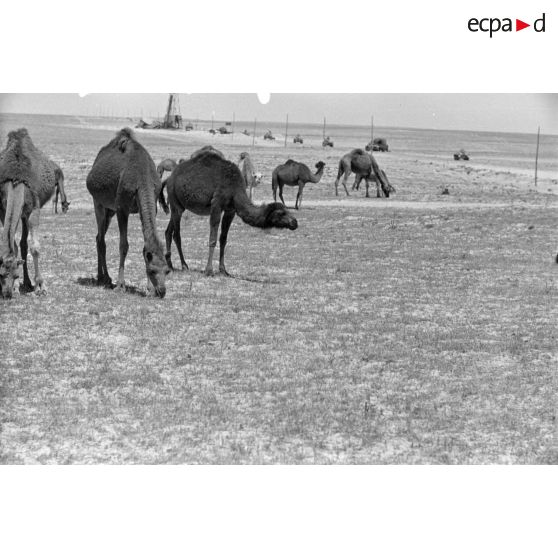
(363, 337)
(369, 335)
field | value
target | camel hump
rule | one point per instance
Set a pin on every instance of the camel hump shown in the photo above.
(290, 162)
(18, 135)
(17, 159)
(357, 151)
(123, 137)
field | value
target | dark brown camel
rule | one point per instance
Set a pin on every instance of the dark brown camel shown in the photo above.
(28, 180)
(124, 180)
(210, 185)
(292, 174)
(162, 201)
(364, 166)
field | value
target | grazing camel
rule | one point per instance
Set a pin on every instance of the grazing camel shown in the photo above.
(124, 180)
(59, 176)
(292, 174)
(28, 180)
(364, 166)
(210, 185)
(251, 177)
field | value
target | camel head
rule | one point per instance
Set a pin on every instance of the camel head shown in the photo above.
(9, 266)
(278, 216)
(387, 188)
(65, 206)
(157, 270)
(258, 176)
(320, 165)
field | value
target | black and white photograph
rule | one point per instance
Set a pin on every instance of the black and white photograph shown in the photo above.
(305, 305)
(194, 279)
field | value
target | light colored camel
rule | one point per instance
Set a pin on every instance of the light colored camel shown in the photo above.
(210, 185)
(251, 177)
(124, 180)
(364, 166)
(292, 173)
(28, 180)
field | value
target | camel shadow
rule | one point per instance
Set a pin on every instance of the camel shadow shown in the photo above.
(263, 280)
(92, 282)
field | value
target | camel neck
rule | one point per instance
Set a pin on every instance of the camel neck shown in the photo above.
(251, 214)
(146, 203)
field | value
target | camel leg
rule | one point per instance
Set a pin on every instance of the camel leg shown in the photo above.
(344, 181)
(378, 186)
(27, 286)
(339, 173)
(33, 224)
(298, 202)
(122, 218)
(225, 226)
(56, 200)
(214, 220)
(63, 199)
(367, 181)
(103, 217)
(356, 183)
(173, 232)
(281, 194)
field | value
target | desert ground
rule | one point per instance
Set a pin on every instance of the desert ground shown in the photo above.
(410, 330)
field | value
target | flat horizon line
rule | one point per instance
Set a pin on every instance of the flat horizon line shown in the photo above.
(278, 122)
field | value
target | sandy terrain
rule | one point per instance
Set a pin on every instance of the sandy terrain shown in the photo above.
(419, 329)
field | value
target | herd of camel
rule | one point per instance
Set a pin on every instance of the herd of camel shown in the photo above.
(125, 180)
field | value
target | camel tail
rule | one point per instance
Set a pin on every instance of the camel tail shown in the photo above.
(14, 207)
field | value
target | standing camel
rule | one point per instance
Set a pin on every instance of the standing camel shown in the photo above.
(28, 180)
(293, 174)
(124, 180)
(251, 177)
(210, 185)
(364, 166)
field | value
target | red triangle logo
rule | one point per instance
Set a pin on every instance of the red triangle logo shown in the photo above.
(519, 25)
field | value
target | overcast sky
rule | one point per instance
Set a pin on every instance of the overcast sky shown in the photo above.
(504, 112)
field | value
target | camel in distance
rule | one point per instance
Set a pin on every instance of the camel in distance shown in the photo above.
(293, 173)
(364, 165)
(28, 179)
(208, 184)
(124, 180)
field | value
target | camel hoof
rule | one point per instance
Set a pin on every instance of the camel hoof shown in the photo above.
(26, 288)
(225, 273)
(208, 273)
